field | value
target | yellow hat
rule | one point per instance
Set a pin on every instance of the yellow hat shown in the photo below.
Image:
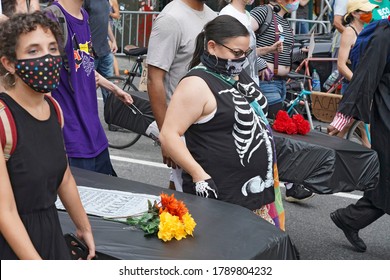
(362, 5)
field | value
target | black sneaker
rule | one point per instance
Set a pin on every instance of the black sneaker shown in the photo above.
(298, 193)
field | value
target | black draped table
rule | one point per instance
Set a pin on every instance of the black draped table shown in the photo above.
(223, 231)
(326, 164)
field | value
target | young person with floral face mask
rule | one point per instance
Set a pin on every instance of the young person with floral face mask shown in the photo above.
(229, 150)
(38, 169)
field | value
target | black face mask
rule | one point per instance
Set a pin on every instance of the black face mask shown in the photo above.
(228, 67)
(42, 74)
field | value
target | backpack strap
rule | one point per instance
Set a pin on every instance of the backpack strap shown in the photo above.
(8, 132)
(60, 115)
(277, 36)
(267, 21)
(55, 13)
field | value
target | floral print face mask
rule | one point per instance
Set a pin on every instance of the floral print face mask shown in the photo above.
(42, 74)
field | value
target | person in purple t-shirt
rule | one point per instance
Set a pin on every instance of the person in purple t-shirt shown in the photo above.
(85, 141)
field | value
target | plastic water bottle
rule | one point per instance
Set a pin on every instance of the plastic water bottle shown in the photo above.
(331, 79)
(315, 80)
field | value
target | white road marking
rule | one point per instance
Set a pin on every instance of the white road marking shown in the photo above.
(349, 195)
(138, 161)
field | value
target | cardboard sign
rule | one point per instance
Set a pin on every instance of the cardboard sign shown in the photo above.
(324, 105)
(143, 82)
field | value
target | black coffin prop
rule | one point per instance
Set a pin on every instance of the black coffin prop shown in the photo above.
(136, 117)
(326, 164)
(223, 231)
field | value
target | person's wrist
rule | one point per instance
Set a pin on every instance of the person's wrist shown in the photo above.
(200, 177)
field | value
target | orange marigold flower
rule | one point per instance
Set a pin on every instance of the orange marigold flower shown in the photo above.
(171, 205)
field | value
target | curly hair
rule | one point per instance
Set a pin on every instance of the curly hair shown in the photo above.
(16, 25)
(9, 7)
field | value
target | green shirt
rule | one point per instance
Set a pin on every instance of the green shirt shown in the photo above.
(383, 11)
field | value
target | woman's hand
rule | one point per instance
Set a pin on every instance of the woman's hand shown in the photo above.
(206, 188)
(122, 95)
(277, 47)
(87, 237)
(331, 130)
(266, 74)
(110, 86)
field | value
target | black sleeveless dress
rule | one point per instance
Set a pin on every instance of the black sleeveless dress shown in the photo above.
(234, 147)
(36, 169)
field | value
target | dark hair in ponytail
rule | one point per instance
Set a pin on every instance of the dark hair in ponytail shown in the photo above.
(219, 30)
(348, 19)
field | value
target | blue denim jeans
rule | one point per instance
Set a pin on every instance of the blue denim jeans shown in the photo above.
(104, 65)
(274, 91)
(101, 163)
(302, 28)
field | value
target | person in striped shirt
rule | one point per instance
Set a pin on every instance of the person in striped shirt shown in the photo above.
(273, 78)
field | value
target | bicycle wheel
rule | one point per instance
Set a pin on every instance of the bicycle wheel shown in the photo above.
(357, 133)
(118, 137)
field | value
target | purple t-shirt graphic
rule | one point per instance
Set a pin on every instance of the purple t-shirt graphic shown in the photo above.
(83, 133)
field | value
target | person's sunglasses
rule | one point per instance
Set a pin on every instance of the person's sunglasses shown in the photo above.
(238, 53)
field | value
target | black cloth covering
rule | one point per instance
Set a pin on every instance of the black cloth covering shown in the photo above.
(223, 231)
(326, 164)
(368, 99)
(135, 119)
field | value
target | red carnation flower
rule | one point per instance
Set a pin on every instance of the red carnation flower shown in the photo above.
(303, 126)
(279, 126)
(282, 116)
(291, 127)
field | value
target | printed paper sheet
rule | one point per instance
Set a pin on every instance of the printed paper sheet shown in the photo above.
(111, 203)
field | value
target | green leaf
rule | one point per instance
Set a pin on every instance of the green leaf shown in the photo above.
(146, 218)
(148, 222)
(133, 221)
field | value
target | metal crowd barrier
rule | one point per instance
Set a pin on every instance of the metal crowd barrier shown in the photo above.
(134, 27)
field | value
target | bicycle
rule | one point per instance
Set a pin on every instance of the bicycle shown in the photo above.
(127, 83)
(119, 137)
(295, 105)
(359, 132)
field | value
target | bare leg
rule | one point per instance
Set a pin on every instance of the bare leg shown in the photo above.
(116, 67)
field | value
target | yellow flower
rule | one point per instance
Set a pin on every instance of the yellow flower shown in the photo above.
(189, 223)
(171, 227)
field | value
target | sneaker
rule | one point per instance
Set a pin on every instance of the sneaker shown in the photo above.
(298, 193)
